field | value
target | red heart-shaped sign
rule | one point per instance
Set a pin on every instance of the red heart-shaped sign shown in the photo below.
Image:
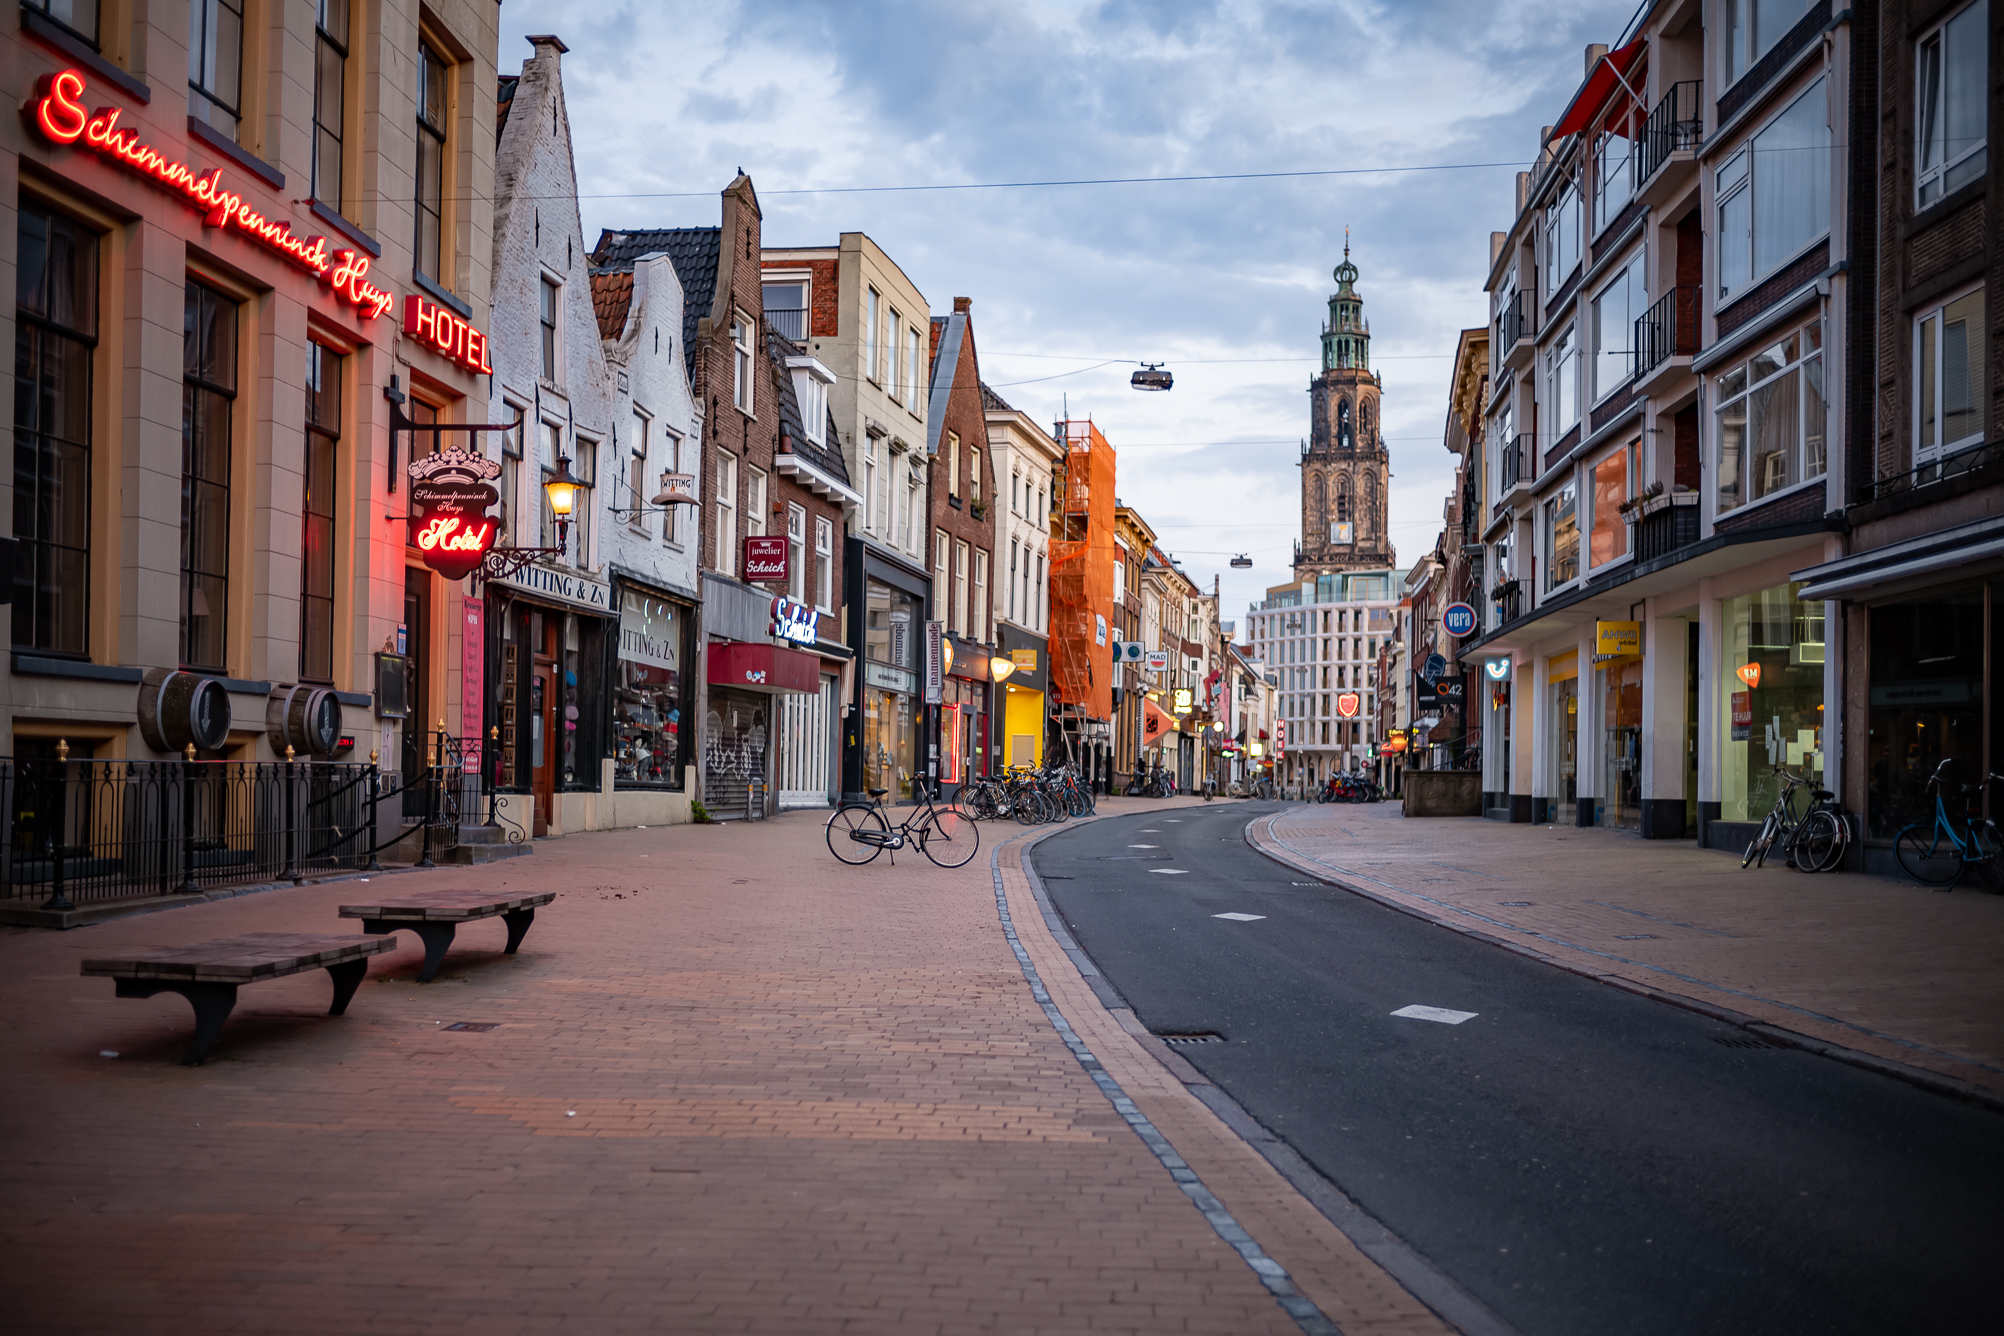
(1346, 704)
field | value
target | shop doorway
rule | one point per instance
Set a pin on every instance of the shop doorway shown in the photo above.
(1621, 803)
(1691, 729)
(542, 738)
(1565, 788)
(735, 738)
(417, 687)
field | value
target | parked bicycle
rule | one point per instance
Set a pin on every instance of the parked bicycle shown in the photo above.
(1158, 783)
(1939, 854)
(1813, 843)
(858, 832)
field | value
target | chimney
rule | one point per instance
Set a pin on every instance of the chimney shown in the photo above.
(1496, 240)
(543, 39)
(1523, 189)
(962, 305)
(1594, 51)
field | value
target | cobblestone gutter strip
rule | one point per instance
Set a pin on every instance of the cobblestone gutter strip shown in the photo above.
(1259, 834)
(1303, 1310)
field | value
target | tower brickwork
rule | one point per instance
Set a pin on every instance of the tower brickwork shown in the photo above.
(1345, 467)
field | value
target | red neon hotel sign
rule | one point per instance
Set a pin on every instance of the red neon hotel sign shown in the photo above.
(441, 330)
(59, 114)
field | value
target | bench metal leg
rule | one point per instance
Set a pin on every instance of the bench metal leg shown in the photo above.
(518, 926)
(212, 1002)
(347, 977)
(435, 936)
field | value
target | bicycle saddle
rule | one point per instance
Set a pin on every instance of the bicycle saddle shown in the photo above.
(876, 793)
(1823, 795)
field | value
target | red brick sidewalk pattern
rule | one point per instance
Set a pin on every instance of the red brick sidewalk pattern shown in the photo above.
(733, 1086)
(1870, 963)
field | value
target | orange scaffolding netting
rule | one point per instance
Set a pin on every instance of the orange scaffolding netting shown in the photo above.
(1082, 620)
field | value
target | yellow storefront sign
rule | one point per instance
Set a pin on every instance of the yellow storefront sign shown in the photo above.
(1614, 638)
(1024, 659)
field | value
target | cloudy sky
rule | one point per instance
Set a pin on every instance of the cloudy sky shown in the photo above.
(1226, 282)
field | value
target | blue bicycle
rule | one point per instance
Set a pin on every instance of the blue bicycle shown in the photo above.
(1939, 854)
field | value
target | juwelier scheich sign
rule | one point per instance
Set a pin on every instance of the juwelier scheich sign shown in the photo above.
(58, 112)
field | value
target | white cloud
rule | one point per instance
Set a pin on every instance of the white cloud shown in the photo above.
(668, 98)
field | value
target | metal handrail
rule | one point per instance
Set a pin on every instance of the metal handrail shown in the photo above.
(1676, 123)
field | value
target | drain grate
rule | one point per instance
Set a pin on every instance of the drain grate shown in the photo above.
(1200, 1037)
(1635, 937)
(1741, 1041)
(471, 1025)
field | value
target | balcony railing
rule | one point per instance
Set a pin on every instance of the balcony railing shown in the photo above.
(1667, 329)
(789, 323)
(1508, 596)
(1677, 123)
(1668, 527)
(1514, 463)
(1513, 322)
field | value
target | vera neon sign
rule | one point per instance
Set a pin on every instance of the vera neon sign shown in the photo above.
(60, 115)
(444, 332)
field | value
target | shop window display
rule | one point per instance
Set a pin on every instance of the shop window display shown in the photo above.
(1926, 704)
(890, 657)
(648, 692)
(1774, 646)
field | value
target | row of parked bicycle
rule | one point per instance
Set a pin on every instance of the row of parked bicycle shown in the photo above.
(1029, 796)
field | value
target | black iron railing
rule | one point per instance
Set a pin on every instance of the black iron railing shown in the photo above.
(1667, 329)
(1982, 458)
(1513, 322)
(789, 323)
(88, 830)
(1509, 599)
(1667, 528)
(1514, 463)
(1677, 123)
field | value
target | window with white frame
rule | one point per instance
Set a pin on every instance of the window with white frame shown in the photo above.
(553, 450)
(960, 588)
(1952, 117)
(1748, 28)
(1562, 372)
(1562, 536)
(894, 341)
(725, 558)
(915, 355)
(871, 303)
(547, 319)
(942, 569)
(1614, 482)
(636, 474)
(1613, 161)
(671, 462)
(1562, 239)
(1770, 419)
(953, 464)
(741, 363)
(755, 515)
(914, 506)
(974, 492)
(824, 564)
(1774, 194)
(871, 518)
(1616, 308)
(796, 552)
(1042, 592)
(980, 627)
(1949, 358)
(1015, 547)
(584, 513)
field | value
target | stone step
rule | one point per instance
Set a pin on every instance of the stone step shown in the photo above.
(485, 853)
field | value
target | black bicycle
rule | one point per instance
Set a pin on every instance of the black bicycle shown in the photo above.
(1815, 843)
(858, 832)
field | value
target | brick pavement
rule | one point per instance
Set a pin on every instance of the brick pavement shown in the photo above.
(733, 1086)
(1877, 965)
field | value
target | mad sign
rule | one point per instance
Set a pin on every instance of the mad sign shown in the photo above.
(450, 494)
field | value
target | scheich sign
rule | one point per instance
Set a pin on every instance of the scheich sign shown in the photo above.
(765, 559)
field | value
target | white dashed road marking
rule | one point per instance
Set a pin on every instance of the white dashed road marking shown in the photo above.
(1144, 846)
(1170, 871)
(1241, 918)
(1441, 1014)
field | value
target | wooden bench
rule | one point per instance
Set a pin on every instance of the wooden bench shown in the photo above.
(436, 916)
(208, 974)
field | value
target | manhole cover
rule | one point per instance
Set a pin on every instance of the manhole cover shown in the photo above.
(1201, 1037)
(1514, 904)
(1635, 937)
(1740, 1041)
(472, 1025)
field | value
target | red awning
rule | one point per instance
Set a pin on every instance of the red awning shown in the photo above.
(770, 668)
(1600, 88)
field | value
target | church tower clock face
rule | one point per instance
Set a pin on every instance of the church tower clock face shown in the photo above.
(1345, 468)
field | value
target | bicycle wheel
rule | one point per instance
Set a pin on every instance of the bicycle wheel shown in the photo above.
(1077, 802)
(856, 832)
(1025, 807)
(1928, 857)
(1986, 849)
(950, 838)
(980, 800)
(1819, 843)
(1758, 848)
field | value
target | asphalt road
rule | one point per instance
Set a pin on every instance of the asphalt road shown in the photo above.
(1579, 1159)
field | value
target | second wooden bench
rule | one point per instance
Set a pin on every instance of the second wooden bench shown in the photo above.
(435, 917)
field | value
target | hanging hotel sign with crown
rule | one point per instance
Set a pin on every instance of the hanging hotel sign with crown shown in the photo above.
(450, 493)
